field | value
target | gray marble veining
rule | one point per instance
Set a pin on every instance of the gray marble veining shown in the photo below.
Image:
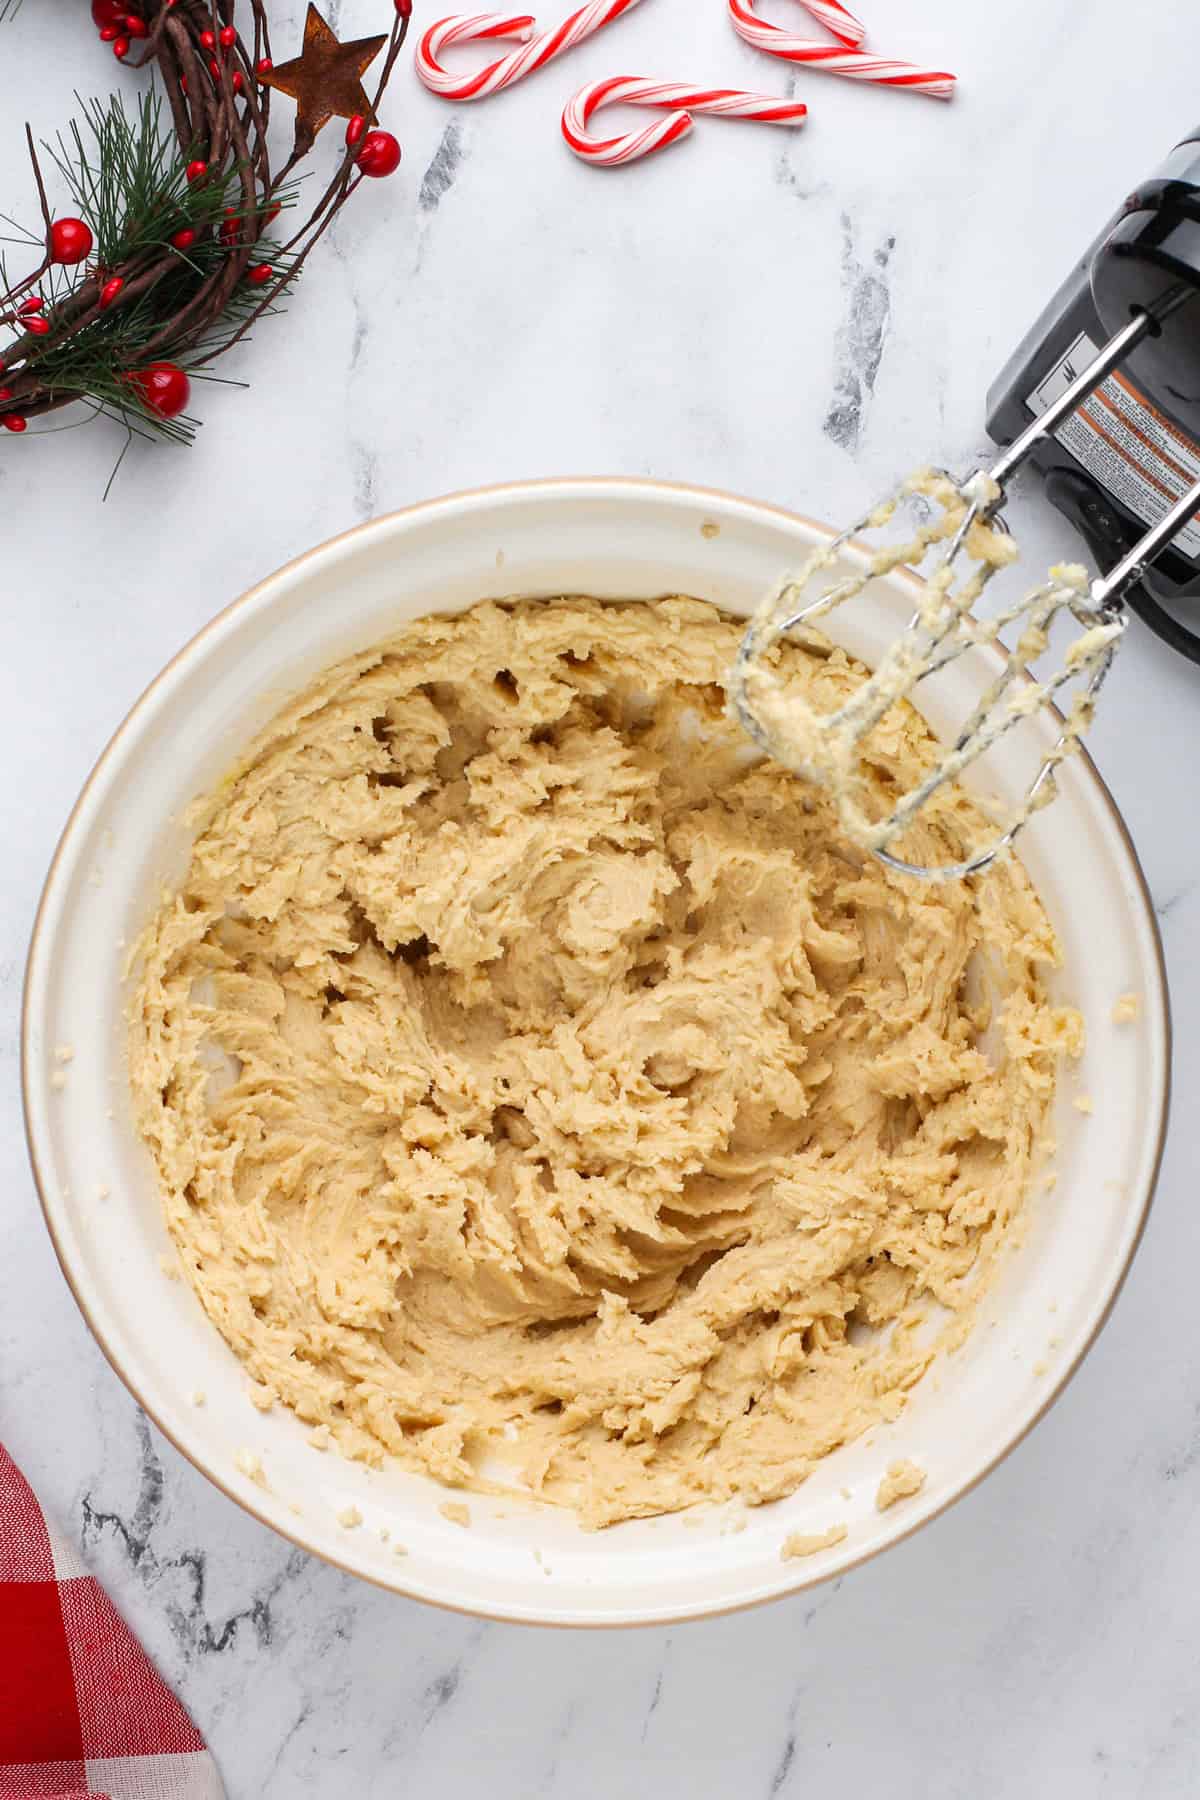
(861, 336)
(796, 316)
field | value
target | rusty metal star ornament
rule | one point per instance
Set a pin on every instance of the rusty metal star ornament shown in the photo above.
(326, 78)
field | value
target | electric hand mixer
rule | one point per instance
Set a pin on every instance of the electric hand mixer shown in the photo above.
(1119, 454)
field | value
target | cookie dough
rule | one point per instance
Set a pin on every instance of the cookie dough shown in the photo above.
(810, 1543)
(902, 1481)
(543, 1089)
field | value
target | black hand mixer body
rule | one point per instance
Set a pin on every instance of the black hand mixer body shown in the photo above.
(1122, 459)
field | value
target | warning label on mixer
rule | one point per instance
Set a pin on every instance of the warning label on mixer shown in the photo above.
(1133, 449)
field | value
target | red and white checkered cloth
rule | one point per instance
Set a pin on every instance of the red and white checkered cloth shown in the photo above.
(84, 1715)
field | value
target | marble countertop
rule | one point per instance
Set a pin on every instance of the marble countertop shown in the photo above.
(793, 316)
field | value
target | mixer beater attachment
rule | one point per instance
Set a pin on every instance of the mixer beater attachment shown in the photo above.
(959, 547)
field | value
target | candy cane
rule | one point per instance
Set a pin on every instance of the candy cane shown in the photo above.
(838, 20)
(472, 27)
(728, 103)
(837, 59)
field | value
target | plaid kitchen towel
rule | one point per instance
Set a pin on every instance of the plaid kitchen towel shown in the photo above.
(84, 1715)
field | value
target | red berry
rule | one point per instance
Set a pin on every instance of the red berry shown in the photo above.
(34, 304)
(379, 154)
(108, 33)
(109, 12)
(121, 48)
(355, 129)
(5, 393)
(237, 83)
(208, 40)
(109, 291)
(13, 422)
(183, 84)
(36, 326)
(269, 218)
(262, 272)
(184, 239)
(196, 171)
(70, 241)
(231, 228)
(213, 69)
(228, 37)
(263, 66)
(404, 8)
(134, 27)
(162, 387)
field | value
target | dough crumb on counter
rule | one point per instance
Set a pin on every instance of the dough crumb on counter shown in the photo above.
(198, 1397)
(808, 1544)
(385, 1532)
(534, 1072)
(399, 1549)
(103, 1191)
(64, 1053)
(169, 1264)
(349, 1518)
(319, 1437)
(250, 1464)
(262, 1396)
(902, 1480)
(456, 1511)
(1085, 1104)
(1127, 1009)
(58, 1081)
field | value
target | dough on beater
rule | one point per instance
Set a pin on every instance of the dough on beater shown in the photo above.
(544, 1091)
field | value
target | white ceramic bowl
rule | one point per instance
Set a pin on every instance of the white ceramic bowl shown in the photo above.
(614, 539)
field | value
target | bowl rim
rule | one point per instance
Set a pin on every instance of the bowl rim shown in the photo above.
(578, 487)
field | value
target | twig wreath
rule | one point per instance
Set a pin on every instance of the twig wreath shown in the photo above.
(175, 253)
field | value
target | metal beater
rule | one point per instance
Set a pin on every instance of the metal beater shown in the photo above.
(958, 551)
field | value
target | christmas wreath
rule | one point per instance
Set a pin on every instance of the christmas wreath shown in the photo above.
(176, 249)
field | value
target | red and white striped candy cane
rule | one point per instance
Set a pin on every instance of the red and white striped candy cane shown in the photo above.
(472, 27)
(837, 59)
(727, 103)
(837, 19)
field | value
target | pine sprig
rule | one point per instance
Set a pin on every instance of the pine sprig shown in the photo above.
(126, 178)
(183, 268)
